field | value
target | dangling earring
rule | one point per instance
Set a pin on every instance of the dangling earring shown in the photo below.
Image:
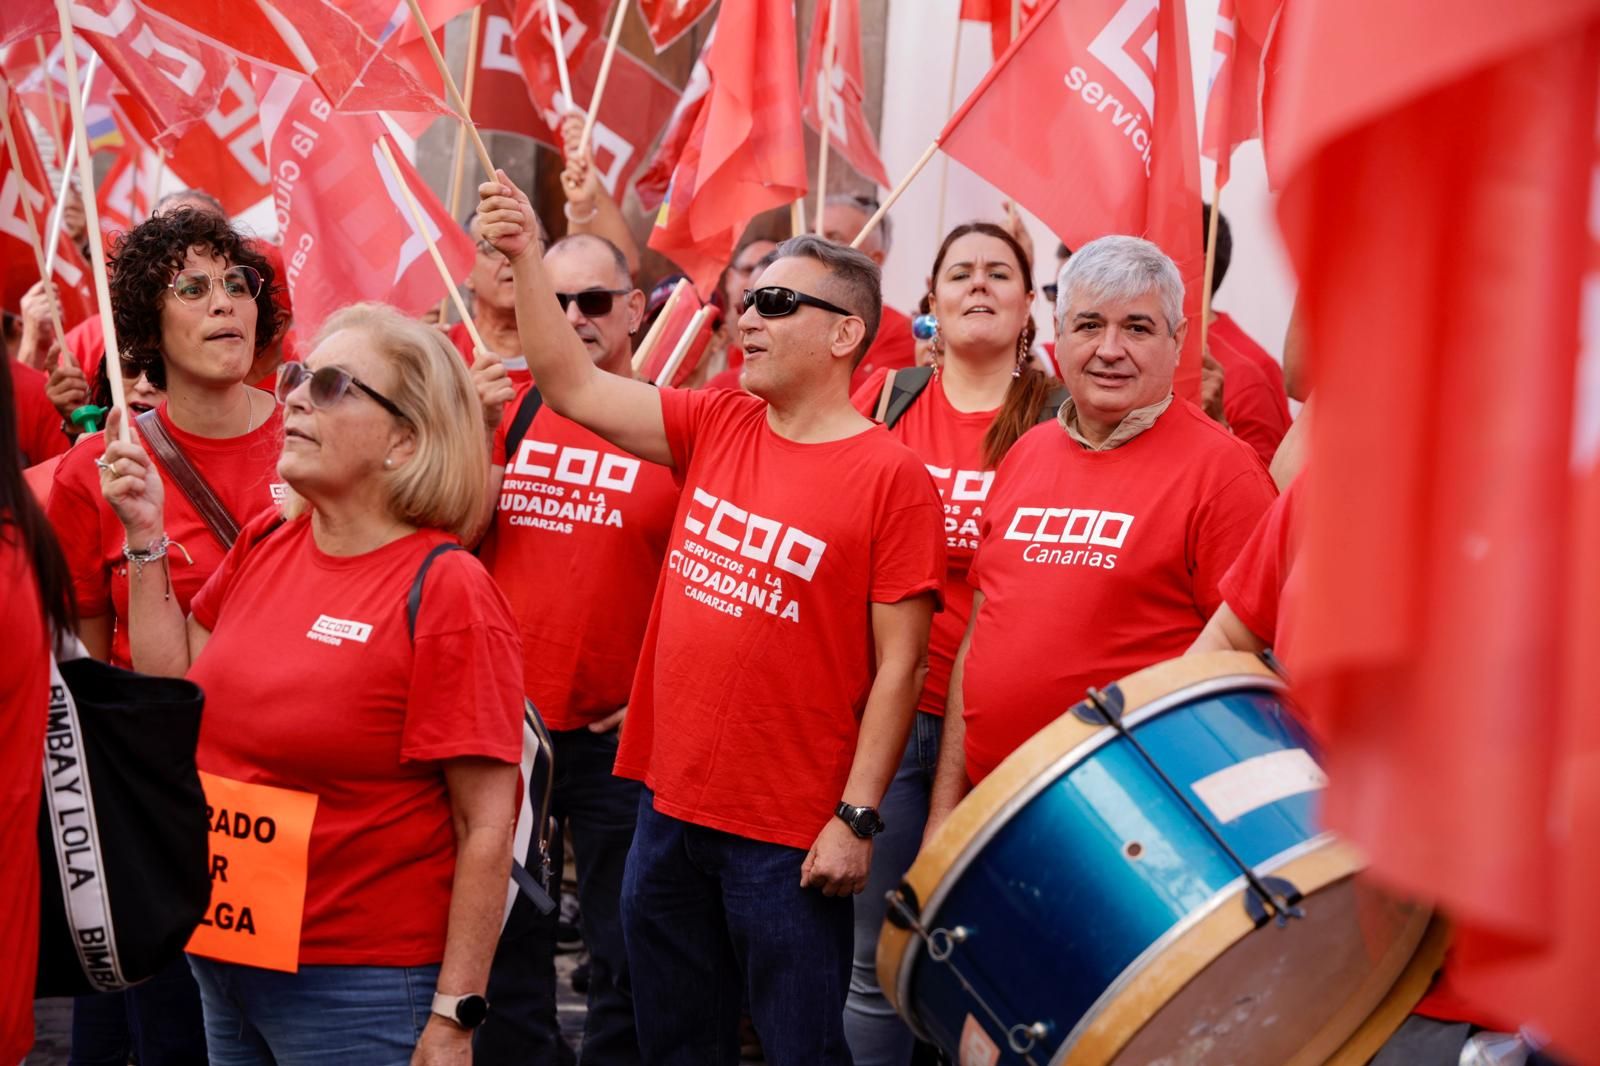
(388, 463)
(936, 349)
(1022, 354)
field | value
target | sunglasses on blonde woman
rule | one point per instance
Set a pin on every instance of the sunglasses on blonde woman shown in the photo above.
(328, 386)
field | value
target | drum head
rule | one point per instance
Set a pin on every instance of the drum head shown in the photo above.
(1278, 994)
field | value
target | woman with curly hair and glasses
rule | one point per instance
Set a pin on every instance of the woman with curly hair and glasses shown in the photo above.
(192, 302)
(383, 723)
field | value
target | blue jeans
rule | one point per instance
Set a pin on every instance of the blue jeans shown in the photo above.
(157, 1023)
(710, 918)
(350, 1015)
(877, 1035)
(599, 810)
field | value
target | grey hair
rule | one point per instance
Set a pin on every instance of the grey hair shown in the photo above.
(1121, 268)
(868, 206)
(858, 283)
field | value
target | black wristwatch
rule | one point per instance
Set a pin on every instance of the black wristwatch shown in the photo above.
(864, 822)
(467, 1011)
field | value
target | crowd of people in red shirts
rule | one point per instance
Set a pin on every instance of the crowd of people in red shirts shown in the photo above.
(777, 625)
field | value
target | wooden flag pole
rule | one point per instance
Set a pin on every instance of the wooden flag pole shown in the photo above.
(421, 222)
(949, 109)
(600, 82)
(1016, 19)
(91, 213)
(669, 369)
(894, 194)
(797, 216)
(823, 88)
(1211, 264)
(561, 54)
(67, 161)
(459, 164)
(653, 334)
(50, 96)
(462, 111)
(33, 232)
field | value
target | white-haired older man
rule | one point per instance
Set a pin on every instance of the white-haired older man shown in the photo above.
(1106, 531)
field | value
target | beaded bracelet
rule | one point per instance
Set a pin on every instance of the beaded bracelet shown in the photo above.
(141, 556)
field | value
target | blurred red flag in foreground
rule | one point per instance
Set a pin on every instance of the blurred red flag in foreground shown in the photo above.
(1439, 175)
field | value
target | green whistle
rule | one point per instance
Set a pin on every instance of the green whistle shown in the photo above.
(88, 417)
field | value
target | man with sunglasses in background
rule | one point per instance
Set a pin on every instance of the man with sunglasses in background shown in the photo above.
(782, 659)
(894, 346)
(494, 309)
(576, 542)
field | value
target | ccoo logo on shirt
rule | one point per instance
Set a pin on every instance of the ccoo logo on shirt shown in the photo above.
(329, 630)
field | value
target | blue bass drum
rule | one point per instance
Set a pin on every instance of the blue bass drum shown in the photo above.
(1091, 903)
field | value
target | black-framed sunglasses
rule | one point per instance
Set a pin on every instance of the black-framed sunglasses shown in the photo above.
(592, 303)
(328, 386)
(239, 282)
(775, 301)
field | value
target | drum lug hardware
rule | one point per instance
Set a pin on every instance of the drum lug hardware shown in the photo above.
(903, 906)
(942, 942)
(1102, 707)
(1022, 1038)
(1283, 902)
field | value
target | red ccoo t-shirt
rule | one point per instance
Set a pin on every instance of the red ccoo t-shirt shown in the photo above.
(576, 546)
(757, 660)
(950, 444)
(242, 471)
(1094, 565)
(348, 706)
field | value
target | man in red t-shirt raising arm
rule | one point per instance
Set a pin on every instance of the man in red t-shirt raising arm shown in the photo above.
(782, 659)
(1107, 530)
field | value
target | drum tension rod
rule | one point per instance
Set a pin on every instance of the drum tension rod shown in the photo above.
(1020, 1038)
(1283, 904)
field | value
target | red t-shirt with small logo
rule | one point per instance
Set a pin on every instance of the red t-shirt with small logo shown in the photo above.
(758, 660)
(351, 707)
(1094, 565)
(950, 445)
(242, 471)
(576, 545)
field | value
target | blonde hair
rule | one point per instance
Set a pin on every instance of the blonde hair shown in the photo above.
(445, 484)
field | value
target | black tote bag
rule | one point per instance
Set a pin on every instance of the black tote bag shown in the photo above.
(124, 873)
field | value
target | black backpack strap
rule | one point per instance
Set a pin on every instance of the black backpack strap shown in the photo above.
(414, 597)
(1052, 404)
(904, 386)
(531, 402)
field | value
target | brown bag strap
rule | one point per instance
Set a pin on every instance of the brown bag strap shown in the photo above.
(885, 395)
(186, 477)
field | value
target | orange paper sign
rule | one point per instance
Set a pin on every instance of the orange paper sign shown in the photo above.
(260, 836)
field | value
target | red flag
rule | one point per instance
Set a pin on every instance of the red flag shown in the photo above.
(1095, 97)
(1234, 102)
(38, 84)
(651, 186)
(998, 14)
(124, 194)
(174, 76)
(747, 151)
(346, 232)
(841, 94)
(23, 19)
(339, 45)
(667, 20)
(18, 267)
(1452, 553)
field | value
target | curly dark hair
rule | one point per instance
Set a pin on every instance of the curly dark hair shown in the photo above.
(143, 263)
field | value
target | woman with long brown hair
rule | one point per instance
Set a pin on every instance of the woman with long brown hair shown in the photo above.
(983, 393)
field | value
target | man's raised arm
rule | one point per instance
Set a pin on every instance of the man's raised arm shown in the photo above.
(623, 411)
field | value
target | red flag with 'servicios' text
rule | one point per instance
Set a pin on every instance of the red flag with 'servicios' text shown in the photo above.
(838, 97)
(346, 232)
(746, 153)
(19, 268)
(1088, 121)
(1440, 207)
(1238, 81)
